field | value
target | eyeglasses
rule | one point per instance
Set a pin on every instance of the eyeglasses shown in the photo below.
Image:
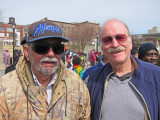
(120, 38)
(43, 48)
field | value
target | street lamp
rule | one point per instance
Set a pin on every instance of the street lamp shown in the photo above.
(13, 26)
(12, 21)
(97, 42)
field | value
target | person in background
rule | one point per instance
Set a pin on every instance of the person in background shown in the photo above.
(20, 53)
(126, 88)
(16, 56)
(79, 53)
(97, 57)
(100, 57)
(13, 66)
(148, 52)
(134, 52)
(69, 63)
(41, 87)
(84, 62)
(6, 57)
(77, 66)
(63, 57)
(92, 58)
(101, 63)
(85, 54)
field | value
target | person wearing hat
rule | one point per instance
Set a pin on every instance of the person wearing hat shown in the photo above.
(41, 87)
(148, 53)
(6, 57)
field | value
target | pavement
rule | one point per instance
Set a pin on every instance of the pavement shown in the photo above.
(1, 73)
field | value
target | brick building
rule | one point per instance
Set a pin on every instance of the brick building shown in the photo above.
(6, 36)
(6, 33)
(68, 28)
(146, 38)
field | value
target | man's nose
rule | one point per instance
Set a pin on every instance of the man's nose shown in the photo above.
(50, 52)
(114, 42)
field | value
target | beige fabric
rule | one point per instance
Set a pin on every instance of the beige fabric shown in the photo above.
(70, 98)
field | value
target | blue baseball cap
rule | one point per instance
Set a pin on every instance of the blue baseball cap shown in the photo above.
(43, 30)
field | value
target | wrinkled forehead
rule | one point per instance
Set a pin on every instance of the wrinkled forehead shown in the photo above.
(114, 27)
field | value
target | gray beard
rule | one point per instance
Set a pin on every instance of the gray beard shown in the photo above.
(39, 67)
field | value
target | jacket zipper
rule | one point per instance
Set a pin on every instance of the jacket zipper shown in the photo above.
(133, 87)
(104, 94)
(142, 99)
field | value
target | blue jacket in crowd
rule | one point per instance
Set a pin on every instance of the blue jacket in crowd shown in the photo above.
(146, 81)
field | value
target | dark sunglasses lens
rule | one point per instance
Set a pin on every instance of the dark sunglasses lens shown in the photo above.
(58, 49)
(121, 38)
(41, 48)
(107, 40)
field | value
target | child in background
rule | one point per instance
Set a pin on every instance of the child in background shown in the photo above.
(77, 66)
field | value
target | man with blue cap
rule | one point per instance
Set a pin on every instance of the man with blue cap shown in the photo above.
(41, 87)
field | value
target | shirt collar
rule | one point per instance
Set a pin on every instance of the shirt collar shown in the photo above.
(36, 82)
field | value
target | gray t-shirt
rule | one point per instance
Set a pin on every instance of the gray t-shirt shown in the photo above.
(121, 101)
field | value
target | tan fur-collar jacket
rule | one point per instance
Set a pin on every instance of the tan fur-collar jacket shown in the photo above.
(20, 99)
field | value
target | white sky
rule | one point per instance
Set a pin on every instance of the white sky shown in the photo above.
(139, 15)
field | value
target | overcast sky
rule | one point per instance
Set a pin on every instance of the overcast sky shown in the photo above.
(139, 15)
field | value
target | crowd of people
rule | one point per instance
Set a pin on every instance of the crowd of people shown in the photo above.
(51, 82)
(8, 60)
(84, 60)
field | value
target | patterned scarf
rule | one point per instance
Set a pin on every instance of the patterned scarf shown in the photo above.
(78, 69)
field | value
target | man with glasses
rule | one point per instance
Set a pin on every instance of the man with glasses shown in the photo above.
(148, 52)
(126, 88)
(41, 87)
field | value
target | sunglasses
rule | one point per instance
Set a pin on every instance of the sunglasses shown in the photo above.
(120, 38)
(43, 48)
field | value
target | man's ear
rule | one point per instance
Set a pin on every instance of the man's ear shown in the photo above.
(130, 41)
(26, 52)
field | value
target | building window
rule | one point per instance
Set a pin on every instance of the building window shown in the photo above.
(1, 28)
(9, 29)
(9, 34)
(2, 35)
(25, 31)
(17, 29)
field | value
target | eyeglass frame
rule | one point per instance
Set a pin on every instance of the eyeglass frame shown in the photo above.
(113, 37)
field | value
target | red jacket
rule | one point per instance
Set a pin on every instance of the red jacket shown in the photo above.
(92, 57)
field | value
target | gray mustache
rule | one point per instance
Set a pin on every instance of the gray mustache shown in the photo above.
(49, 59)
(114, 50)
